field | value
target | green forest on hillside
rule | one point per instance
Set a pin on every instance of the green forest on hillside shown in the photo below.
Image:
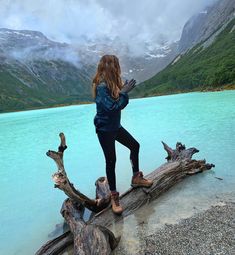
(15, 95)
(199, 69)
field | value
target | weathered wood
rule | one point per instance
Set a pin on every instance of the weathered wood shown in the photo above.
(180, 165)
(56, 245)
(179, 153)
(62, 182)
(88, 239)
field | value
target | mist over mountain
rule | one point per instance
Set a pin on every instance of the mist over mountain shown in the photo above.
(78, 22)
(144, 35)
(27, 46)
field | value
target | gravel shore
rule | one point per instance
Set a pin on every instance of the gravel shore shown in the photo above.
(211, 232)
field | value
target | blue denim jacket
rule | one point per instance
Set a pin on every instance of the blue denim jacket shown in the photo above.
(108, 115)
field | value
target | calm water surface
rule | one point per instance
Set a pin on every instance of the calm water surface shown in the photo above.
(30, 205)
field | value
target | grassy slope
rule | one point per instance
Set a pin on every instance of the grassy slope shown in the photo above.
(198, 69)
(15, 96)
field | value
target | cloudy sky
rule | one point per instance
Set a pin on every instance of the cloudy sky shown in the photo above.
(72, 21)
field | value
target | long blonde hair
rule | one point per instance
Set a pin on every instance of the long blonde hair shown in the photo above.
(108, 71)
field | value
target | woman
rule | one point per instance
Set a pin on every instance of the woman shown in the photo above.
(111, 96)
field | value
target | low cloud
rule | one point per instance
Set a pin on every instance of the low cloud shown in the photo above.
(132, 22)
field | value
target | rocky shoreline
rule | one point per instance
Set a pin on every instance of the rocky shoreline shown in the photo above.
(211, 232)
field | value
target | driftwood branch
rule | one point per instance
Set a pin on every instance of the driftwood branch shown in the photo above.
(179, 165)
(179, 153)
(63, 183)
(87, 239)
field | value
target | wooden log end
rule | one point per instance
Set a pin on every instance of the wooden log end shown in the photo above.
(51, 153)
(56, 156)
(62, 139)
(102, 193)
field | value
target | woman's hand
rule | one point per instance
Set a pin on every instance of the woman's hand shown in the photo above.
(128, 86)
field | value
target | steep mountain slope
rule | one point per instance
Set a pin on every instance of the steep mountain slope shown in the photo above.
(209, 65)
(203, 41)
(20, 89)
(33, 73)
(202, 25)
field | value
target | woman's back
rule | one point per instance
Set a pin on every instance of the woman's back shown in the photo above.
(108, 114)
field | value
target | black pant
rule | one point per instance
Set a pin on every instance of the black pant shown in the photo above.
(107, 142)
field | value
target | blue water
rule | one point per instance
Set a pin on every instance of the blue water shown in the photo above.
(29, 205)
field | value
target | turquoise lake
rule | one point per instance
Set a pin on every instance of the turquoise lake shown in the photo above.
(29, 203)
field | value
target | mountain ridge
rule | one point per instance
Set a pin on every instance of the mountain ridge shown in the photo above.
(203, 68)
(207, 63)
(203, 24)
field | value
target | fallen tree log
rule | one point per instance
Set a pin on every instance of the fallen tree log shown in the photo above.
(179, 165)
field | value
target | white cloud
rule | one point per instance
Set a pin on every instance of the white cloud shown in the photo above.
(72, 21)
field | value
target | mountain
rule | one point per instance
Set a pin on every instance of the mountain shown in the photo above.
(202, 25)
(209, 65)
(142, 67)
(36, 72)
(140, 64)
